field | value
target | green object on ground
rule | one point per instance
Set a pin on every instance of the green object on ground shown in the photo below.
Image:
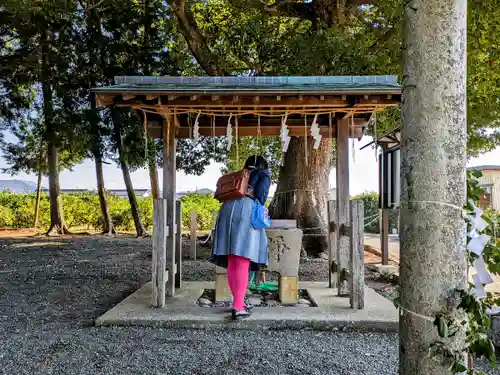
(262, 287)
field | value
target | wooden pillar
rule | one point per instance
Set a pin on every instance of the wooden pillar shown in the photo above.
(357, 261)
(178, 244)
(193, 225)
(159, 259)
(384, 236)
(169, 153)
(332, 245)
(343, 221)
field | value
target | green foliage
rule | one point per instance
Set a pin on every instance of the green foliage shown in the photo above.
(83, 210)
(477, 343)
(204, 205)
(373, 215)
(6, 217)
(483, 54)
(315, 37)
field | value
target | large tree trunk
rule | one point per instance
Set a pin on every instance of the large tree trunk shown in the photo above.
(134, 207)
(107, 223)
(433, 153)
(302, 191)
(95, 44)
(57, 224)
(149, 33)
(37, 199)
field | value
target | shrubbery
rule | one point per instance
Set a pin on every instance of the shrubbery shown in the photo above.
(373, 214)
(83, 210)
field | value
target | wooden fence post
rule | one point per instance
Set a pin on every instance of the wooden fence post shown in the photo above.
(342, 160)
(357, 256)
(193, 225)
(159, 258)
(178, 243)
(169, 173)
(332, 245)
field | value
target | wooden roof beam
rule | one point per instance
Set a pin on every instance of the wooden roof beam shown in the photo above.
(247, 101)
(205, 121)
(266, 131)
(377, 101)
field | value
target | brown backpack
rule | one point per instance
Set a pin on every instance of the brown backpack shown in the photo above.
(232, 186)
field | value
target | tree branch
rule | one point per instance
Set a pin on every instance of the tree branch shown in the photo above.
(195, 40)
(286, 8)
(382, 41)
(305, 11)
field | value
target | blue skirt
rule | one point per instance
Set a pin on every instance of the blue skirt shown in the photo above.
(234, 234)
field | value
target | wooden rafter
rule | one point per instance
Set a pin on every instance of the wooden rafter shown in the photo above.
(244, 131)
(214, 99)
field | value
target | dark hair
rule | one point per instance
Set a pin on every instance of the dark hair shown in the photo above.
(257, 162)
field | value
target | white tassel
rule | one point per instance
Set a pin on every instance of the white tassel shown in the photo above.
(285, 139)
(196, 130)
(315, 132)
(229, 133)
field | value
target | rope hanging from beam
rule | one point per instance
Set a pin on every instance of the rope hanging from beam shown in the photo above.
(353, 142)
(256, 112)
(237, 147)
(305, 141)
(145, 125)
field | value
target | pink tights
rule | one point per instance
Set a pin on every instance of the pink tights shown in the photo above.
(237, 278)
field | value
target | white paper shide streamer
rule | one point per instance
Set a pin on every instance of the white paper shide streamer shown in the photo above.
(315, 132)
(229, 133)
(476, 245)
(285, 138)
(196, 129)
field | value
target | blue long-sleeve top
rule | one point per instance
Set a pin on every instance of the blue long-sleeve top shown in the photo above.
(260, 181)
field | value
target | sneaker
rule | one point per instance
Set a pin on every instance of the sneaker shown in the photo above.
(248, 306)
(238, 315)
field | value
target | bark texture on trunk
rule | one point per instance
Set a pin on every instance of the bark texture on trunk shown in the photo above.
(153, 177)
(302, 191)
(37, 200)
(107, 223)
(134, 207)
(95, 44)
(57, 224)
(433, 262)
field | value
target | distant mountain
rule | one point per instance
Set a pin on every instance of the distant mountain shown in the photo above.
(204, 191)
(18, 186)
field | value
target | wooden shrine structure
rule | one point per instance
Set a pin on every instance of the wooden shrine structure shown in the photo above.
(187, 107)
(389, 182)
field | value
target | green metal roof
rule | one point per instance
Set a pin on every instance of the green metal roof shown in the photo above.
(264, 85)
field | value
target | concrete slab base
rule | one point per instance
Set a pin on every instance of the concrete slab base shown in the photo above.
(181, 311)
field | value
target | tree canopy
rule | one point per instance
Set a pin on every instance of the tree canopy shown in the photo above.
(87, 42)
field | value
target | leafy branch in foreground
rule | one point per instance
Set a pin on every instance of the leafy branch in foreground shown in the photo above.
(475, 321)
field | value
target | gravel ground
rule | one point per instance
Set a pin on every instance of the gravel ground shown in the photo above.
(52, 289)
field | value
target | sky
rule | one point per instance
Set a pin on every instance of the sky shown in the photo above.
(363, 173)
